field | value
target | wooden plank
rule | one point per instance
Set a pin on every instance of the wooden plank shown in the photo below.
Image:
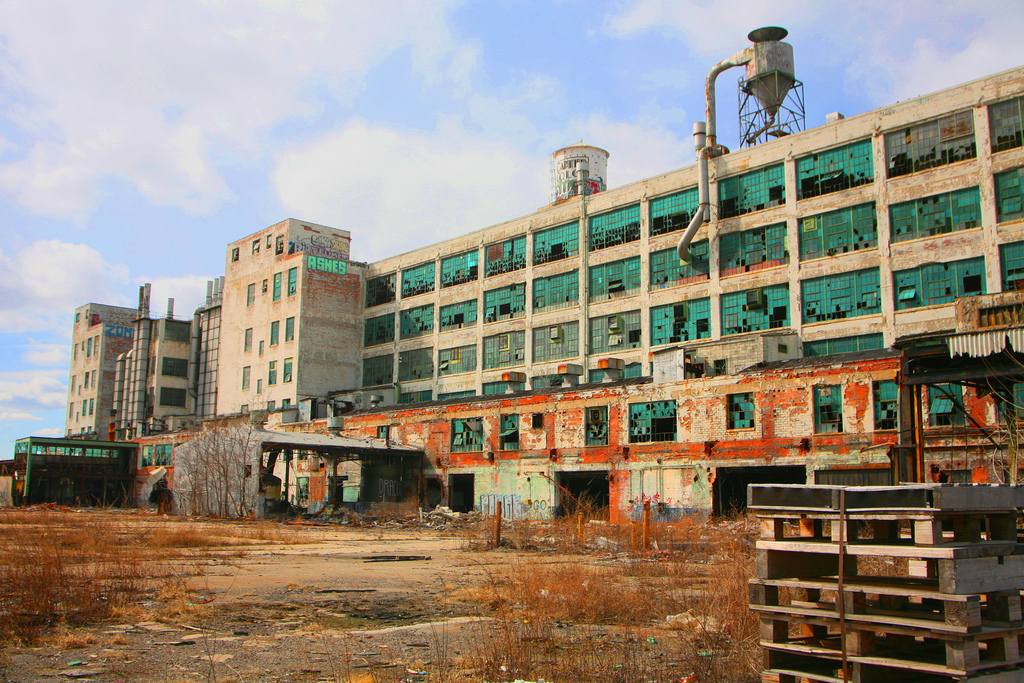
(963, 656)
(981, 575)
(776, 564)
(880, 585)
(875, 621)
(946, 551)
(1003, 606)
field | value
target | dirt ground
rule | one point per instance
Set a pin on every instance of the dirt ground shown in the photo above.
(341, 608)
(332, 603)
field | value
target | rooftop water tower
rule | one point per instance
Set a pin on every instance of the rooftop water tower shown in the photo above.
(771, 99)
(593, 161)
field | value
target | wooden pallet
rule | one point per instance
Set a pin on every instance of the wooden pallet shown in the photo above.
(950, 611)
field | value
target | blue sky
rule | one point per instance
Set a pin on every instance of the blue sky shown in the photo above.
(139, 137)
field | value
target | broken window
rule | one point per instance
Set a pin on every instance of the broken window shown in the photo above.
(289, 329)
(754, 310)
(508, 437)
(557, 291)
(380, 290)
(668, 271)
(459, 268)
(930, 144)
(457, 316)
(1011, 258)
(674, 212)
(378, 330)
(828, 409)
(504, 350)
(935, 215)
(505, 303)
(838, 232)
(556, 342)
(415, 396)
(467, 435)
(255, 246)
(834, 169)
(272, 373)
(279, 246)
(416, 322)
(293, 281)
(491, 388)
(945, 405)
(886, 400)
(615, 279)
(616, 332)
(846, 295)
(1005, 124)
(740, 409)
(762, 247)
(596, 425)
(234, 254)
(418, 279)
(753, 191)
(939, 283)
(615, 227)
(555, 244)
(684, 321)
(653, 421)
(456, 394)
(378, 370)
(826, 347)
(505, 257)
(174, 367)
(721, 366)
(1008, 195)
(286, 374)
(456, 361)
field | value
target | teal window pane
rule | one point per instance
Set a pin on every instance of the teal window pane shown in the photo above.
(378, 330)
(827, 347)
(505, 350)
(555, 244)
(753, 310)
(674, 212)
(939, 283)
(380, 290)
(416, 322)
(740, 411)
(652, 422)
(418, 279)
(668, 271)
(556, 342)
(459, 268)
(845, 295)
(763, 247)
(835, 169)
(456, 360)
(457, 316)
(685, 321)
(557, 291)
(1008, 195)
(378, 370)
(1005, 124)
(886, 404)
(505, 257)
(828, 409)
(505, 303)
(838, 232)
(753, 191)
(611, 333)
(945, 405)
(615, 279)
(935, 215)
(414, 364)
(615, 227)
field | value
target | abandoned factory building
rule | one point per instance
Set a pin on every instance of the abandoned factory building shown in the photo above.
(600, 350)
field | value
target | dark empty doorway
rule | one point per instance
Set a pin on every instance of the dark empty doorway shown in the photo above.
(460, 492)
(585, 492)
(730, 488)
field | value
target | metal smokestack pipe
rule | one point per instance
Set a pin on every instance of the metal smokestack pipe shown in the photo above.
(209, 292)
(170, 308)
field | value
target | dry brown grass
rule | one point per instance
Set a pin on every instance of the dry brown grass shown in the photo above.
(67, 568)
(680, 610)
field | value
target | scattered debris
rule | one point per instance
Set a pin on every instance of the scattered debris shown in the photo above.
(395, 558)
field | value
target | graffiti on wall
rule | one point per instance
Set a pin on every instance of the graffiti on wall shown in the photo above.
(327, 246)
(514, 507)
(111, 330)
(328, 265)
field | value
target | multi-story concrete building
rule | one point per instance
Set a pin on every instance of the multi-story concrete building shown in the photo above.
(291, 321)
(100, 334)
(845, 236)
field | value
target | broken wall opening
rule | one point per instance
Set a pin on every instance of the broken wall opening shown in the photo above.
(586, 492)
(729, 491)
(461, 497)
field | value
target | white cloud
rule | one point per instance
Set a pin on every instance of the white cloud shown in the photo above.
(16, 416)
(152, 92)
(49, 431)
(398, 189)
(43, 282)
(46, 355)
(29, 392)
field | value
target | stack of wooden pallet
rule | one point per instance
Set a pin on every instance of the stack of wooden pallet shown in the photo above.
(930, 579)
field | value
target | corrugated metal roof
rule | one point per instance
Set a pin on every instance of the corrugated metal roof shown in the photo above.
(322, 441)
(988, 343)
